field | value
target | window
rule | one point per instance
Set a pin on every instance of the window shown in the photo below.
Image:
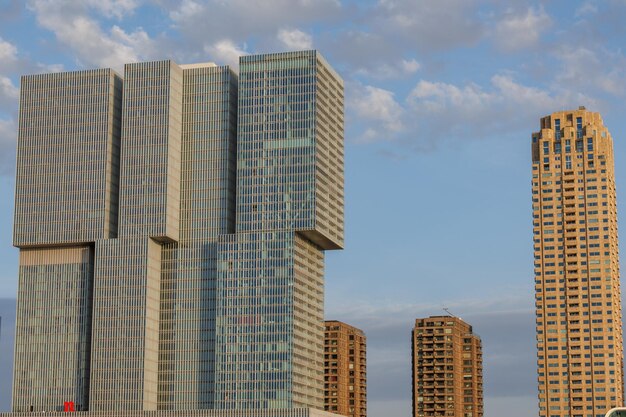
(557, 147)
(557, 129)
(579, 145)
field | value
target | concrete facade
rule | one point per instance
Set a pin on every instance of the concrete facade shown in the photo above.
(577, 285)
(447, 368)
(345, 369)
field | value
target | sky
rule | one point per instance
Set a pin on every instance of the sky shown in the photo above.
(441, 100)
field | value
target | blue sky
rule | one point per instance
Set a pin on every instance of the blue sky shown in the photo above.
(441, 99)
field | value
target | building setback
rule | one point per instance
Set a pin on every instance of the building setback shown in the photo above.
(345, 370)
(577, 287)
(172, 225)
(447, 368)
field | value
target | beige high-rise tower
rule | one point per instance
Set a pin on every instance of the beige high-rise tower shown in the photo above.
(345, 370)
(447, 368)
(578, 307)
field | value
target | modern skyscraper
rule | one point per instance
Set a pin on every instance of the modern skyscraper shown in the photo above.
(345, 370)
(270, 287)
(578, 305)
(447, 368)
(172, 227)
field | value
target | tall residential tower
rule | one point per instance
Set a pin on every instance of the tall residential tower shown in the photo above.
(447, 368)
(172, 225)
(577, 286)
(345, 370)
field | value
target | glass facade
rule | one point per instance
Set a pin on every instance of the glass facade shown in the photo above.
(53, 334)
(269, 326)
(207, 210)
(66, 199)
(124, 362)
(219, 196)
(270, 298)
(67, 158)
(290, 147)
(151, 144)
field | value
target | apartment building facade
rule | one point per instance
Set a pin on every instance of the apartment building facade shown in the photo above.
(447, 368)
(577, 285)
(345, 369)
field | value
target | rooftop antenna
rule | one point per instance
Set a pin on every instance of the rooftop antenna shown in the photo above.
(449, 313)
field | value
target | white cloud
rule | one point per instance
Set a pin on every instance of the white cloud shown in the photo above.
(8, 53)
(586, 9)
(138, 41)
(13, 63)
(428, 25)
(362, 52)
(92, 46)
(471, 110)
(9, 94)
(218, 19)
(588, 70)
(433, 112)
(225, 51)
(383, 39)
(517, 94)
(438, 96)
(378, 111)
(410, 66)
(521, 31)
(295, 39)
(187, 9)
(386, 70)
(114, 8)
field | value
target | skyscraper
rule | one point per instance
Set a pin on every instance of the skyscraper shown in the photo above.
(447, 368)
(289, 210)
(345, 366)
(172, 225)
(578, 306)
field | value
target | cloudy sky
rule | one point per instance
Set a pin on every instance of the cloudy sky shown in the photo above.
(441, 99)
